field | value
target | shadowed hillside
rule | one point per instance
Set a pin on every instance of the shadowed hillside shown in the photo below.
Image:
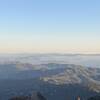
(34, 96)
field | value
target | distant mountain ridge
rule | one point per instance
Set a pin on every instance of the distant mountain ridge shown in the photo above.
(54, 80)
(76, 74)
(91, 60)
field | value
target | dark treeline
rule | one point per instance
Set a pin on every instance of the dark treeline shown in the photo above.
(39, 96)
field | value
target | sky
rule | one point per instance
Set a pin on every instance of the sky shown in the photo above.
(49, 26)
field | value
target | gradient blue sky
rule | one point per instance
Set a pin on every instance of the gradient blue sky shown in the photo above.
(65, 26)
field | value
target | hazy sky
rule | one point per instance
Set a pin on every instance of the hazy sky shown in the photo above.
(44, 26)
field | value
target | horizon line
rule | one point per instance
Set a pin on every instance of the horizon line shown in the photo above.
(28, 53)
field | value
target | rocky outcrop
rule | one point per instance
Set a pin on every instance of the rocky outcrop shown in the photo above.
(94, 98)
(34, 96)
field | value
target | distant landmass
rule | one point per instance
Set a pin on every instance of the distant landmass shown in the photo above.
(90, 60)
(52, 76)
